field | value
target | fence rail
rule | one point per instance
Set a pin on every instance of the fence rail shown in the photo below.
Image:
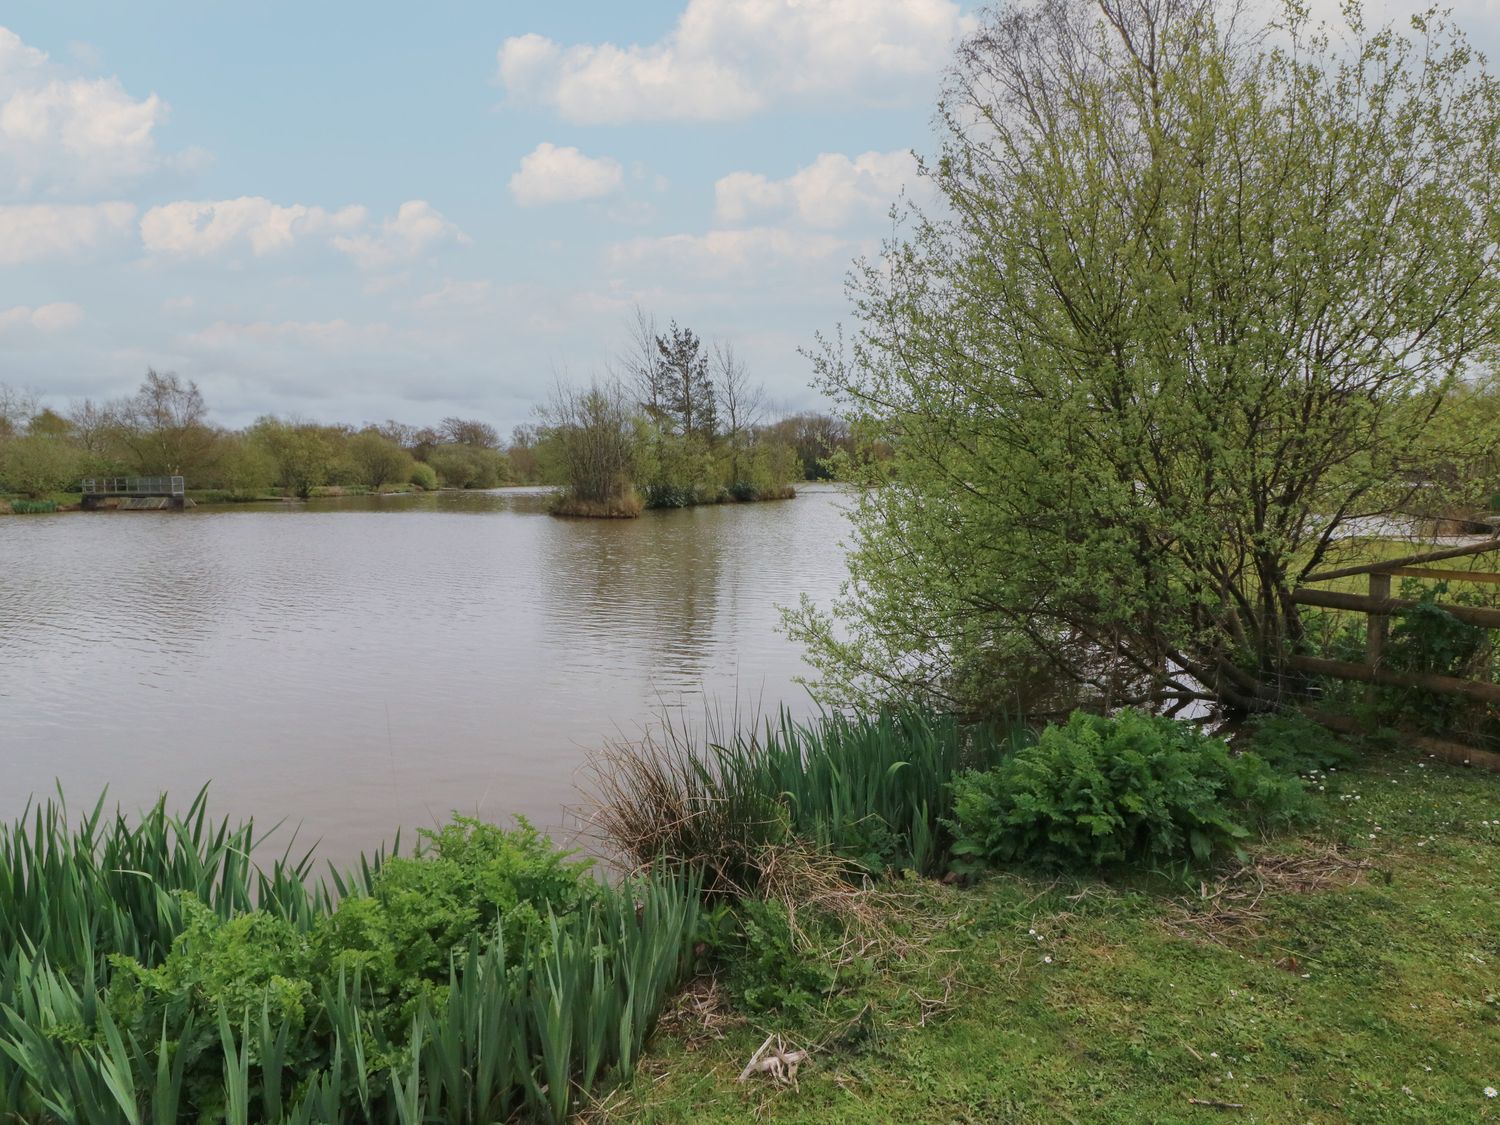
(1378, 606)
(134, 486)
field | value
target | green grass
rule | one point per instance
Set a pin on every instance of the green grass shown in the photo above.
(61, 499)
(1373, 995)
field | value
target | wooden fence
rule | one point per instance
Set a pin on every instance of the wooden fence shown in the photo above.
(1378, 605)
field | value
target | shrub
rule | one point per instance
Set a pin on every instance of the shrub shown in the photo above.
(1427, 638)
(35, 466)
(468, 466)
(424, 476)
(1132, 788)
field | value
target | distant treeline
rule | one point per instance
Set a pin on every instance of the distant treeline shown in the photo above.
(165, 428)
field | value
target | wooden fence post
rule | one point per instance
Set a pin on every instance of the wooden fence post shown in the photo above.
(1375, 632)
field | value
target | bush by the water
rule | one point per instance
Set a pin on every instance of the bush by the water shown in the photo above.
(424, 476)
(1135, 787)
(150, 973)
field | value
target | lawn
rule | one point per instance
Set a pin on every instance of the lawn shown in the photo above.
(1351, 973)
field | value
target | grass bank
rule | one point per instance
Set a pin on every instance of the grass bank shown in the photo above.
(1348, 972)
(1320, 947)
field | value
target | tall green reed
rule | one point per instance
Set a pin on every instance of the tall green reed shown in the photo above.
(519, 1029)
(871, 788)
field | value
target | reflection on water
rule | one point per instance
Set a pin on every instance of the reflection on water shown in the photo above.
(363, 664)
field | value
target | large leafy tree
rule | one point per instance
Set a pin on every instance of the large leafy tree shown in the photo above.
(1192, 297)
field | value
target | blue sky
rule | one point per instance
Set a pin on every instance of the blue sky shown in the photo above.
(352, 212)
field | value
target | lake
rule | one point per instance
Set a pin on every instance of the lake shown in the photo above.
(358, 665)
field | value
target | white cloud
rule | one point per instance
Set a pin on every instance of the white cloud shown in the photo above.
(830, 192)
(416, 229)
(550, 174)
(326, 335)
(727, 59)
(455, 295)
(55, 317)
(40, 231)
(199, 229)
(64, 136)
(726, 254)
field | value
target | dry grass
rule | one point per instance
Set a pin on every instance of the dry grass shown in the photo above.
(662, 797)
(625, 507)
(1231, 904)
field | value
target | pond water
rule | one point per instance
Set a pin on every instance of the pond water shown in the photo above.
(359, 665)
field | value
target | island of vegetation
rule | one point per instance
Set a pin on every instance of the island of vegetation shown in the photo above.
(1098, 825)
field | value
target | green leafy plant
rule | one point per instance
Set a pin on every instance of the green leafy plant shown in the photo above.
(1133, 788)
(768, 968)
(1427, 638)
(149, 972)
(1292, 744)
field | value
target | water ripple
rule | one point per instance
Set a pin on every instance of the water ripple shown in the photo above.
(367, 664)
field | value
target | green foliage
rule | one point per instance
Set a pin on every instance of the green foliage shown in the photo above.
(32, 507)
(423, 475)
(302, 454)
(149, 972)
(468, 466)
(242, 468)
(767, 968)
(1133, 788)
(1144, 366)
(37, 465)
(1294, 745)
(1427, 638)
(377, 459)
(1051, 996)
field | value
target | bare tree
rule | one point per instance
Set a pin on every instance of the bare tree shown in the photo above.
(17, 405)
(594, 432)
(639, 367)
(741, 402)
(164, 425)
(469, 431)
(95, 427)
(402, 433)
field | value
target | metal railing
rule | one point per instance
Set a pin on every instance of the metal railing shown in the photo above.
(134, 486)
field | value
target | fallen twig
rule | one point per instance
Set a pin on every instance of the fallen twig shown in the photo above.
(780, 1064)
(1215, 1105)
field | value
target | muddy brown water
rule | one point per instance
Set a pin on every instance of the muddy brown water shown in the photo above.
(360, 665)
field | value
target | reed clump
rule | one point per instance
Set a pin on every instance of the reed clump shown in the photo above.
(872, 791)
(626, 505)
(150, 972)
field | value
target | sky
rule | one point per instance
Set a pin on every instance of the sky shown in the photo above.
(348, 213)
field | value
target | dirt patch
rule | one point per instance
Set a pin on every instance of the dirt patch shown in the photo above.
(700, 1014)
